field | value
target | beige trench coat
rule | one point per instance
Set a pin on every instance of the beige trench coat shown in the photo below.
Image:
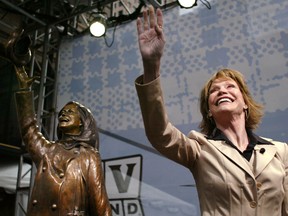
(227, 184)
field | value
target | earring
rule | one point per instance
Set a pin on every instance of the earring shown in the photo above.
(246, 113)
(209, 114)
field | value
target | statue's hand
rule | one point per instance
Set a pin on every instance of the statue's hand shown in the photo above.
(25, 82)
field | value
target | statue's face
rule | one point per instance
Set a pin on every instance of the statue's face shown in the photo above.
(69, 120)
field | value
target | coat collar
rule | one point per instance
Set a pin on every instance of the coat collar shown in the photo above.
(263, 149)
(218, 135)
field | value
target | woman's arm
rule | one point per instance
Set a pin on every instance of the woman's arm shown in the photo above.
(166, 138)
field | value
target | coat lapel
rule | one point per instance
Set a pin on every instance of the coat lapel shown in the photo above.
(264, 154)
(233, 155)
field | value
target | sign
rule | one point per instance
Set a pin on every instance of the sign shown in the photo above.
(123, 185)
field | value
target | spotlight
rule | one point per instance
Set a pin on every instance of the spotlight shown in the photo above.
(187, 3)
(99, 25)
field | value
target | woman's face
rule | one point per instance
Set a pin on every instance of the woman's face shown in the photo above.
(69, 120)
(225, 98)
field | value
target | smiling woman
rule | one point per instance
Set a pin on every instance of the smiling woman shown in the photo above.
(231, 81)
(236, 171)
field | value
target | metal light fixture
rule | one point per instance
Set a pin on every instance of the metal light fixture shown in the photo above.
(99, 25)
(187, 3)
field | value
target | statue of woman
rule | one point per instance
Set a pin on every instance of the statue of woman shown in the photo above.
(69, 178)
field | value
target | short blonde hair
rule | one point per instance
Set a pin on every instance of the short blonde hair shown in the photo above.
(254, 112)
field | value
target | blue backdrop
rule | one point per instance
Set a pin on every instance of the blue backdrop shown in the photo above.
(249, 36)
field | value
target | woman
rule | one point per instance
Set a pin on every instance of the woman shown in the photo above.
(69, 178)
(236, 172)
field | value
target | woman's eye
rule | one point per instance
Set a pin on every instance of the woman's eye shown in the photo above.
(212, 91)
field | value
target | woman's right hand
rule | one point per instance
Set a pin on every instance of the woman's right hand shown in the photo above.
(151, 42)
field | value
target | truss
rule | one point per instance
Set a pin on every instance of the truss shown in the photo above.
(72, 17)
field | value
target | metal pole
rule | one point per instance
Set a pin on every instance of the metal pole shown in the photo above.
(23, 12)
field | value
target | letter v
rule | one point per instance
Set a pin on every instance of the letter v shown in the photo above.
(122, 184)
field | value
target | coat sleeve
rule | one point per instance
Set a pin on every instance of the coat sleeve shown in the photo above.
(166, 138)
(33, 139)
(98, 199)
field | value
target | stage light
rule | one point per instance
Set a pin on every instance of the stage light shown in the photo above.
(99, 25)
(187, 3)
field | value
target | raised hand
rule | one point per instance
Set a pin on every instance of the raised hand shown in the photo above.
(151, 41)
(24, 80)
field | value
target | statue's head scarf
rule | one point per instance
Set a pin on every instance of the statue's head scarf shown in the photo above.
(89, 132)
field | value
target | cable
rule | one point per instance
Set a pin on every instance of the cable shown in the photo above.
(206, 3)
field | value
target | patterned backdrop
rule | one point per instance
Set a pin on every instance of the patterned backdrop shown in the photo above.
(249, 36)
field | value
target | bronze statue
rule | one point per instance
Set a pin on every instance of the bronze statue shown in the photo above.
(69, 178)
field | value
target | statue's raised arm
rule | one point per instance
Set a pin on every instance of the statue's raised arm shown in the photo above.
(24, 80)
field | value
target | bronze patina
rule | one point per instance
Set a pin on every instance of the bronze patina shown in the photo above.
(69, 178)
